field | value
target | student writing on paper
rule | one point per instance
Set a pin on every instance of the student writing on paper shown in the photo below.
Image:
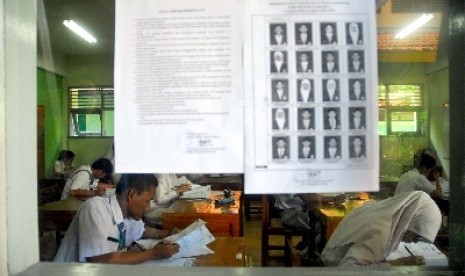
(105, 229)
(369, 233)
(170, 187)
(417, 179)
(84, 183)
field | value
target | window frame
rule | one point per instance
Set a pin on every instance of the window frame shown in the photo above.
(104, 91)
(384, 103)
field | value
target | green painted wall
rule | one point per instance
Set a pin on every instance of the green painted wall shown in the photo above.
(50, 95)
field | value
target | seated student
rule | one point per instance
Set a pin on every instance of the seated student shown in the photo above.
(301, 211)
(63, 167)
(84, 183)
(369, 233)
(105, 226)
(170, 187)
(416, 179)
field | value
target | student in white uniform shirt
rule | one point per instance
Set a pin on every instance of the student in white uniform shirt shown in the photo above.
(416, 179)
(84, 183)
(369, 233)
(105, 228)
(170, 187)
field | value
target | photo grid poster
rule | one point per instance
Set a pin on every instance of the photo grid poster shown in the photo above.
(311, 100)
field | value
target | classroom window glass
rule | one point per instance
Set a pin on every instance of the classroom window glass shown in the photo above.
(91, 111)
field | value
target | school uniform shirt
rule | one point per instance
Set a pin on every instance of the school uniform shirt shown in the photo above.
(81, 179)
(413, 180)
(369, 233)
(166, 183)
(95, 231)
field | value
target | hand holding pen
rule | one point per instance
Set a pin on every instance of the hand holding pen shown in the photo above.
(166, 249)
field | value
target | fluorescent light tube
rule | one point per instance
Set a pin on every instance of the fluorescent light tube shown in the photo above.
(73, 26)
(420, 21)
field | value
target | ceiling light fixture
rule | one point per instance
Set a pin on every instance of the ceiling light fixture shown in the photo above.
(73, 26)
(420, 21)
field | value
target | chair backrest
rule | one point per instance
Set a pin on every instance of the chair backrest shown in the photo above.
(50, 190)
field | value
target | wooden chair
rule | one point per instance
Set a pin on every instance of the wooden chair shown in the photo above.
(273, 226)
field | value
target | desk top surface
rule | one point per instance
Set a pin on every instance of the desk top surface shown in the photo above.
(229, 251)
(66, 205)
(206, 206)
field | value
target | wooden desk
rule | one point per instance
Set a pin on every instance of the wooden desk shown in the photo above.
(229, 251)
(221, 220)
(335, 214)
(58, 215)
(221, 183)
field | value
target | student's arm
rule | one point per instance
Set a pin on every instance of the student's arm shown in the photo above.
(153, 233)
(436, 193)
(136, 256)
(86, 194)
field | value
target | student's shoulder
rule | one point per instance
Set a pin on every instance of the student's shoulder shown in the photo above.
(96, 202)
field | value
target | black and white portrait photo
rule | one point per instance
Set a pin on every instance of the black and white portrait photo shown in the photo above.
(278, 61)
(304, 62)
(357, 147)
(305, 90)
(356, 62)
(331, 90)
(303, 34)
(330, 62)
(328, 33)
(332, 119)
(354, 33)
(280, 119)
(306, 147)
(280, 90)
(357, 118)
(280, 147)
(278, 34)
(306, 119)
(357, 89)
(332, 147)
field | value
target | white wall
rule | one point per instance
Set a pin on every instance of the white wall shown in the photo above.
(18, 131)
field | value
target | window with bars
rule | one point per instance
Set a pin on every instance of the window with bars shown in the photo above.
(400, 109)
(91, 111)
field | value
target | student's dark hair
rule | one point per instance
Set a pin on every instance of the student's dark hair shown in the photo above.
(103, 164)
(140, 182)
(65, 154)
(427, 161)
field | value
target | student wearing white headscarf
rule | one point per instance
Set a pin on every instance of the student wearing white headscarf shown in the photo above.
(278, 62)
(280, 119)
(368, 234)
(305, 91)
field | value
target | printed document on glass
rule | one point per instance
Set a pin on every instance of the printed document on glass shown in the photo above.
(311, 106)
(178, 86)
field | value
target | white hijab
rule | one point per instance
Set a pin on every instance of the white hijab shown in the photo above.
(371, 232)
(278, 63)
(305, 92)
(280, 118)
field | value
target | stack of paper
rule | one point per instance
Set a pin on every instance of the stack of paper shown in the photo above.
(433, 256)
(197, 191)
(192, 242)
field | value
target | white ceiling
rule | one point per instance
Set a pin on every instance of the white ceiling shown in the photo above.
(98, 16)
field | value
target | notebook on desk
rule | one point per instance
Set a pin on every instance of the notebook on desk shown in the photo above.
(433, 256)
(197, 192)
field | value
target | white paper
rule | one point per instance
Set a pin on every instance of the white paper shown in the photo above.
(197, 191)
(183, 262)
(432, 255)
(270, 117)
(192, 241)
(178, 86)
